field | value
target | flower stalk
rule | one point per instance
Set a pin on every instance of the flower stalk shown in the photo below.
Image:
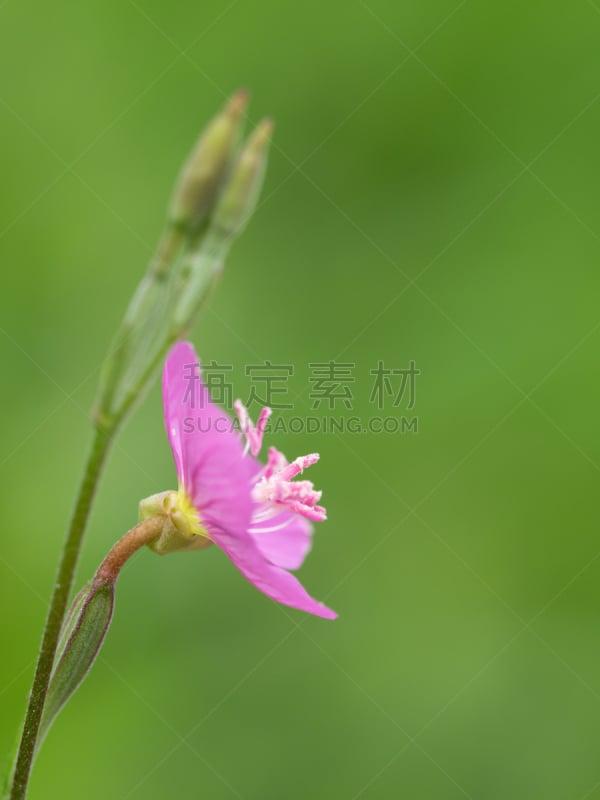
(143, 533)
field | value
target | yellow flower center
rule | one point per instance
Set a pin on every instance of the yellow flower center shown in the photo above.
(184, 514)
(182, 528)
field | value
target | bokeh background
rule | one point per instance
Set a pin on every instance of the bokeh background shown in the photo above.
(432, 195)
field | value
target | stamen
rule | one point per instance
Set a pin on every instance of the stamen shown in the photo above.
(275, 489)
(316, 513)
(298, 465)
(254, 435)
(276, 462)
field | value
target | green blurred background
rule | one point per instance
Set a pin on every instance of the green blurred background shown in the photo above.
(432, 195)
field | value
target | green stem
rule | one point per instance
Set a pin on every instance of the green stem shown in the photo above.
(197, 278)
(155, 278)
(58, 605)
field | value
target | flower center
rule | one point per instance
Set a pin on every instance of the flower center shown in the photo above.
(184, 515)
(182, 528)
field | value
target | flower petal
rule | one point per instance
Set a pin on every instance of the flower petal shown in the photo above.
(273, 581)
(207, 450)
(209, 459)
(172, 401)
(284, 540)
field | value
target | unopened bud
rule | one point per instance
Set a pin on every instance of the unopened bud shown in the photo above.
(241, 191)
(201, 176)
(81, 637)
(88, 620)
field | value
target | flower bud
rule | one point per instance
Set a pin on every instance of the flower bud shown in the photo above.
(203, 172)
(81, 638)
(241, 191)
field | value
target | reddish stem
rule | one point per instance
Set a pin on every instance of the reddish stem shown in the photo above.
(143, 533)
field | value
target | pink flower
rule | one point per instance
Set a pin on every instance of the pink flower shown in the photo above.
(257, 514)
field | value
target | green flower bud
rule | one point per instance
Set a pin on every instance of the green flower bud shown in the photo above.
(88, 620)
(203, 172)
(240, 193)
(81, 638)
